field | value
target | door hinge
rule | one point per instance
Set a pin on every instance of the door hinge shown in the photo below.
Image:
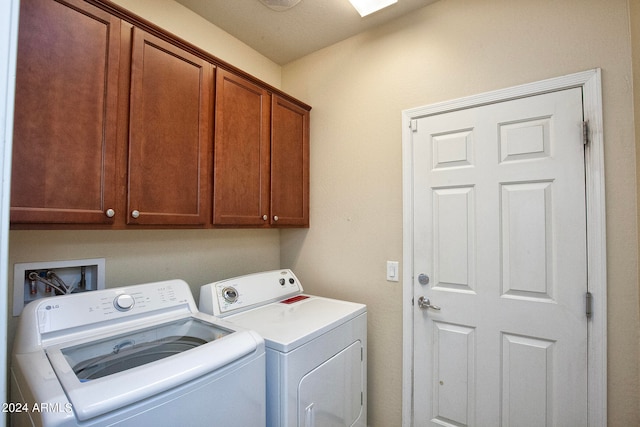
(413, 124)
(589, 304)
(585, 132)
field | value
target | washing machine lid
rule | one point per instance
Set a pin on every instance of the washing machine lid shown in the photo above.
(290, 323)
(103, 375)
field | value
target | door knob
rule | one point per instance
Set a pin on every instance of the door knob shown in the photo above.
(424, 303)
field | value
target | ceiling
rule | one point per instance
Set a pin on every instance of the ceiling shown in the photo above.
(288, 35)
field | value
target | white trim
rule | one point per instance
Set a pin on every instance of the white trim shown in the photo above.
(590, 82)
(407, 263)
(8, 51)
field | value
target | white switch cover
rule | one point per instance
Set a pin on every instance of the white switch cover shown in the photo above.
(392, 271)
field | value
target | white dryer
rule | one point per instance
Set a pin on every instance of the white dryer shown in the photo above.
(316, 347)
(133, 356)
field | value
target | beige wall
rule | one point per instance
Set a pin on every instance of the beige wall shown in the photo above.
(451, 49)
(137, 256)
(196, 256)
(358, 89)
(635, 37)
(180, 21)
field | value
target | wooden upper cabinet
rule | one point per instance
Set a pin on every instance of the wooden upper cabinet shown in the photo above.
(65, 113)
(289, 163)
(241, 152)
(169, 134)
(261, 156)
(115, 127)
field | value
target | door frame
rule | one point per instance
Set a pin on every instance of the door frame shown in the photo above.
(9, 12)
(590, 82)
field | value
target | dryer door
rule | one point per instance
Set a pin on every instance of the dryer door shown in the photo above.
(332, 394)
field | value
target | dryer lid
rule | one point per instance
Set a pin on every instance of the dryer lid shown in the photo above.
(288, 324)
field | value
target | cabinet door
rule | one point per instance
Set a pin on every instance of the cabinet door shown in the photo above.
(169, 139)
(65, 113)
(241, 152)
(289, 164)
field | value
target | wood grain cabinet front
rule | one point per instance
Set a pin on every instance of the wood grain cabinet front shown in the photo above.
(169, 134)
(119, 124)
(64, 134)
(261, 156)
(241, 152)
(289, 164)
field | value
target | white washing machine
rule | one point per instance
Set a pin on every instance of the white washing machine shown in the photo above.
(316, 347)
(133, 356)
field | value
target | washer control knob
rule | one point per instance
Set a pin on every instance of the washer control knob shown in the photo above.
(124, 302)
(282, 282)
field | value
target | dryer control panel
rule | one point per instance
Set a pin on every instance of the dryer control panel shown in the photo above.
(237, 294)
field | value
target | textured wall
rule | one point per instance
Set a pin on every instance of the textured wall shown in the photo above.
(358, 89)
(180, 21)
(451, 49)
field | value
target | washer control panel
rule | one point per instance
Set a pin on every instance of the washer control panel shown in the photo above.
(85, 308)
(241, 293)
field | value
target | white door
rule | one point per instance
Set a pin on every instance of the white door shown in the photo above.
(499, 246)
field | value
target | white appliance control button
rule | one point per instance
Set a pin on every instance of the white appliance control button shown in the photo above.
(124, 302)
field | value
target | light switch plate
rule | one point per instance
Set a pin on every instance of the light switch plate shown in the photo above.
(393, 273)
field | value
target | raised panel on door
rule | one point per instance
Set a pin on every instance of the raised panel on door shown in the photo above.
(453, 395)
(289, 164)
(241, 152)
(170, 139)
(65, 113)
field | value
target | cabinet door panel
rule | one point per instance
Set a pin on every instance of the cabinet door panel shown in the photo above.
(289, 164)
(65, 113)
(241, 152)
(169, 145)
